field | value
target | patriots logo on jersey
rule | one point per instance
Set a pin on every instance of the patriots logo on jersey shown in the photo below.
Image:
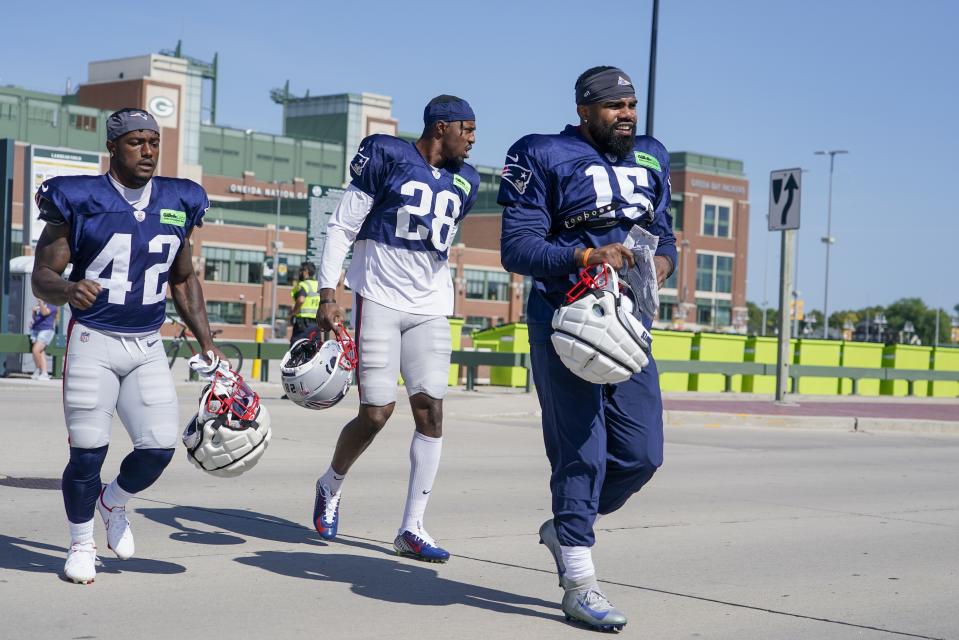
(358, 163)
(518, 176)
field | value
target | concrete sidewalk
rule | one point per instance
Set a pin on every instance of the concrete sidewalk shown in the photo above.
(744, 533)
(849, 413)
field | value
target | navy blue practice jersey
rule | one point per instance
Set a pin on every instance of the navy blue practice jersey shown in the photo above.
(129, 252)
(561, 189)
(415, 205)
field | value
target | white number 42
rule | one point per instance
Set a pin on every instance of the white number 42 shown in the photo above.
(117, 251)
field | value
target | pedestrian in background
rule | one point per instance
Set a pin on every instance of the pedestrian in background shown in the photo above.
(41, 334)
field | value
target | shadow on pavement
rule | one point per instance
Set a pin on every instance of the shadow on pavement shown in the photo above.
(228, 522)
(18, 554)
(405, 582)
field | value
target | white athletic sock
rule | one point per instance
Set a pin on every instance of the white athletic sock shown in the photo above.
(82, 532)
(424, 462)
(332, 479)
(579, 563)
(114, 496)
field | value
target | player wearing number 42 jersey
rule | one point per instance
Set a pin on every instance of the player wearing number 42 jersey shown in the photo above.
(400, 214)
(127, 235)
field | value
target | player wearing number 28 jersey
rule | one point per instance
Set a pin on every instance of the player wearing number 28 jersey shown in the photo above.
(127, 235)
(400, 214)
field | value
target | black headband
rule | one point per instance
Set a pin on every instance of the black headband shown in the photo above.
(607, 84)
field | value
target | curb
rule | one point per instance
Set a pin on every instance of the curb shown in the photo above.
(673, 418)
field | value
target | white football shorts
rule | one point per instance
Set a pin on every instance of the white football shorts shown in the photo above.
(391, 343)
(126, 373)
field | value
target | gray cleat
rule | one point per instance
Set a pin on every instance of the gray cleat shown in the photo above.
(586, 604)
(547, 536)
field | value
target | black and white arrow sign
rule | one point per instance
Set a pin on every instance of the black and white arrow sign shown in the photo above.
(785, 187)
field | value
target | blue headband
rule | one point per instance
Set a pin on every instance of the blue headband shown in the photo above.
(126, 120)
(608, 84)
(452, 111)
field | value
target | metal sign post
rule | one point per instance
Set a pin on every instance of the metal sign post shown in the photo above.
(785, 288)
(785, 187)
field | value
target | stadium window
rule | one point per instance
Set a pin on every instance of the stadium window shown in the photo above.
(293, 261)
(714, 273)
(82, 122)
(704, 271)
(716, 220)
(724, 274)
(483, 284)
(704, 312)
(233, 265)
(666, 311)
(676, 211)
(724, 313)
(225, 312)
(42, 115)
(497, 285)
(16, 242)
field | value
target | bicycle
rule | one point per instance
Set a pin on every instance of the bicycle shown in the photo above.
(230, 350)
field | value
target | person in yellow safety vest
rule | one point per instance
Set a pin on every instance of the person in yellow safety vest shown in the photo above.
(306, 300)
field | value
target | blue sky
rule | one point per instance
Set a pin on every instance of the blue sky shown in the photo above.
(764, 81)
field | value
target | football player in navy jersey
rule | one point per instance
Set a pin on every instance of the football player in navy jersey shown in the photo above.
(400, 214)
(127, 235)
(570, 201)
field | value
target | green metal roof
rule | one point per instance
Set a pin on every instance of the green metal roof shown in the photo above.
(702, 163)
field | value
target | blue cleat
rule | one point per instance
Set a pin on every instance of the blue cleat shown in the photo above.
(326, 511)
(584, 603)
(419, 546)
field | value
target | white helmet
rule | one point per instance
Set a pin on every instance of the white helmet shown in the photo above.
(595, 335)
(231, 429)
(318, 376)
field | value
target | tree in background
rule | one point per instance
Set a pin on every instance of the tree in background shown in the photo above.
(923, 319)
(755, 320)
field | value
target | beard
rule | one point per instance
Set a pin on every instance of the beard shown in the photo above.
(609, 141)
(455, 163)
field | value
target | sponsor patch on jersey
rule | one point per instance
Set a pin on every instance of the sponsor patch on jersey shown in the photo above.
(462, 183)
(358, 163)
(646, 160)
(518, 176)
(172, 216)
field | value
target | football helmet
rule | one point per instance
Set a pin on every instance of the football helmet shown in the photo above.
(230, 430)
(595, 334)
(317, 376)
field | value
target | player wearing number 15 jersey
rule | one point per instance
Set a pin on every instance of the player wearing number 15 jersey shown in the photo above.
(570, 200)
(127, 235)
(400, 214)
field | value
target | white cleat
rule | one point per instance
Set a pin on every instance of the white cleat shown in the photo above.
(81, 565)
(584, 603)
(119, 535)
(548, 537)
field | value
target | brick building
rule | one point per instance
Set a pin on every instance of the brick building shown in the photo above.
(250, 175)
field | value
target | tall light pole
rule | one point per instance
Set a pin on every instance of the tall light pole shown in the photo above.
(828, 240)
(651, 88)
(277, 245)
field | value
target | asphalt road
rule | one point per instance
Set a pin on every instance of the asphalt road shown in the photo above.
(744, 533)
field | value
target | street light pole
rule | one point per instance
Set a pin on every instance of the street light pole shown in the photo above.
(651, 89)
(276, 260)
(828, 240)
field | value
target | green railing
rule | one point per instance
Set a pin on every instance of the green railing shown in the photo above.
(472, 360)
